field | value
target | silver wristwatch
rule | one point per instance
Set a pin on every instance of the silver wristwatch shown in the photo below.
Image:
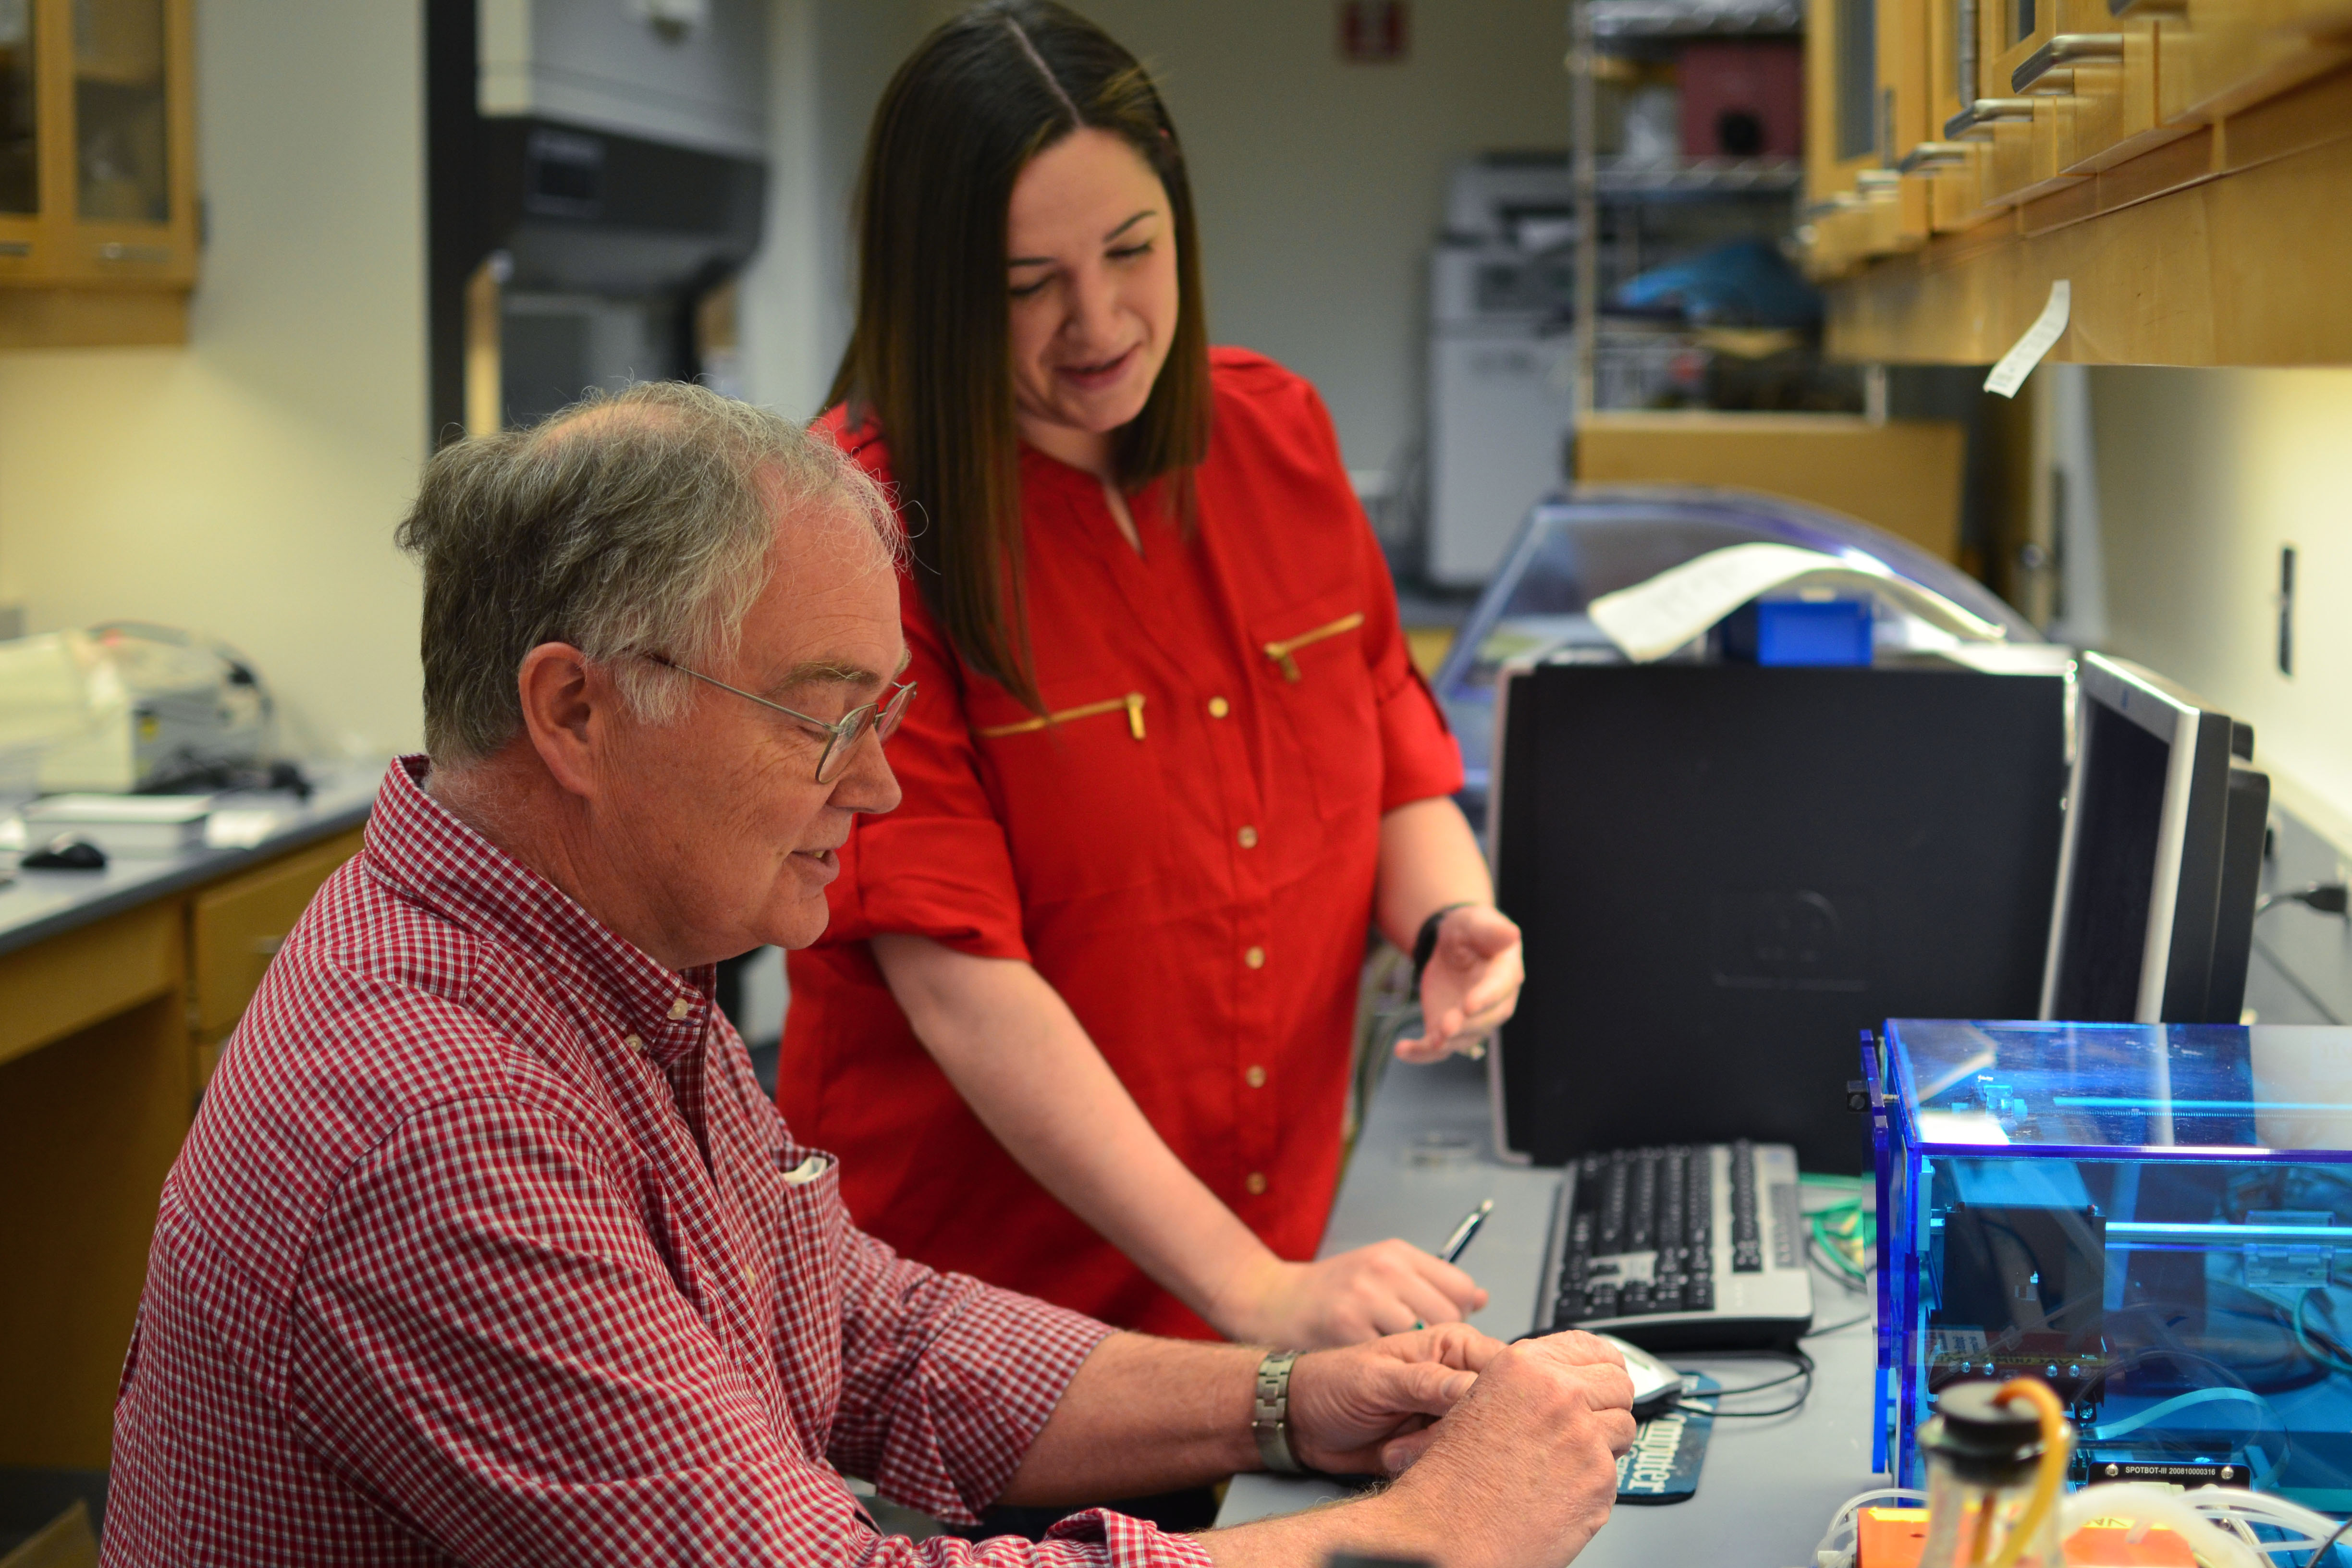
(1270, 1414)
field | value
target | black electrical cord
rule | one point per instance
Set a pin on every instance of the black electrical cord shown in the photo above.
(2321, 898)
(1804, 1365)
(2327, 1545)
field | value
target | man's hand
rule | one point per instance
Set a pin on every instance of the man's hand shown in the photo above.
(1471, 984)
(1366, 1410)
(1388, 1287)
(1523, 1471)
(1518, 1472)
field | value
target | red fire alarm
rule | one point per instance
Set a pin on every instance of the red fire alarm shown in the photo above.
(1373, 32)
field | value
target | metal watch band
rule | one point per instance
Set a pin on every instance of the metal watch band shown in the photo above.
(1270, 1414)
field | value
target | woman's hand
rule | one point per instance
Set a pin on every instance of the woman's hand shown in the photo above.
(1388, 1287)
(1471, 985)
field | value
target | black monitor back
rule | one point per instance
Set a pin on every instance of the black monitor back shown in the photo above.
(1725, 873)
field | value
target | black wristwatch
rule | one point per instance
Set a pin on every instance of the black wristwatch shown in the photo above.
(1425, 946)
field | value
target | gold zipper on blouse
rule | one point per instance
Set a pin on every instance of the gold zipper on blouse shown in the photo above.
(1280, 652)
(1132, 703)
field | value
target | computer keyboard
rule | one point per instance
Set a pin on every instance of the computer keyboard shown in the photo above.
(1686, 1248)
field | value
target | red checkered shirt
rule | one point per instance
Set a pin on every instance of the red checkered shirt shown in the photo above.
(487, 1248)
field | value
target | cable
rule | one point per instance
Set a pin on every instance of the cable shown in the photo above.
(2321, 898)
(2327, 1545)
(1804, 1365)
(2057, 1447)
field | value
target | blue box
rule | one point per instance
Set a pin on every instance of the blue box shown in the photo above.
(1799, 632)
(2155, 1218)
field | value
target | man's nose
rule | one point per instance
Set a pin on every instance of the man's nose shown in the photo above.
(867, 783)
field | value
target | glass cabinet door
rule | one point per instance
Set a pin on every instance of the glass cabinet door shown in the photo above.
(20, 163)
(121, 162)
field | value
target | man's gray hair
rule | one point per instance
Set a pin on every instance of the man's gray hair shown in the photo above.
(632, 523)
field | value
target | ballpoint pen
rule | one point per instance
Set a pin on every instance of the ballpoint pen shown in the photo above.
(1456, 1244)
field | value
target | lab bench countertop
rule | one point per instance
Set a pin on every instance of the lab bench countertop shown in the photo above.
(42, 904)
(1424, 1158)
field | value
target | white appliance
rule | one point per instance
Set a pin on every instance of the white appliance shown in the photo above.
(1502, 360)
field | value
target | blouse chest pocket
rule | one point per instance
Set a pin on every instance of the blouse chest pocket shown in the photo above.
(1313, 676)
(1069, 779)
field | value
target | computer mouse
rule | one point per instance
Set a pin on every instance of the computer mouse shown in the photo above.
(1656, 1385)
(65, 853)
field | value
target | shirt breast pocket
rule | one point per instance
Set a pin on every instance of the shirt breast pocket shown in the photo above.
(812, 1227)
(1073, 781)
(1317, 685)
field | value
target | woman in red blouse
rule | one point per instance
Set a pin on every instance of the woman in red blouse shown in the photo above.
(1081, 1023)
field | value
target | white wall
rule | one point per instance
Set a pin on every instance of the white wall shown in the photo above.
(1320, 184)
(249, 483)
(2203, 475)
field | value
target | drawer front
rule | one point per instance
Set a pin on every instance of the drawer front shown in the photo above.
(69, 982)
(237, 926)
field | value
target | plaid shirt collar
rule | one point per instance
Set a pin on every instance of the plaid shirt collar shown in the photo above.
(420, 849)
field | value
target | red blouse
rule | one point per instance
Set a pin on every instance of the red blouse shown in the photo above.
(1186, 854)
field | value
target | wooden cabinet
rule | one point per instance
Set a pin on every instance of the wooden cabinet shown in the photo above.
(97, 205)
(2016, 142)
(106, 1033)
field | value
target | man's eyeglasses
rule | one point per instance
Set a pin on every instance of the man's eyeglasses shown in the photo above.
(841, 735)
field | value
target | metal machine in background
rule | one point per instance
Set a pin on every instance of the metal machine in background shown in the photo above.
(1501, 358)
(129, 707)
(596, 181)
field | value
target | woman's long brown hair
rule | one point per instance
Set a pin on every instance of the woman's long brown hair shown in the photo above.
(929, 357)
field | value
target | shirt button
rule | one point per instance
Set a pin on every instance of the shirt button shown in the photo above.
(634, 1043)
(680, 1008)
(1219, 708)
(1254, 1077)
(1254, 958)
(1254, 1182)
(1248, 835)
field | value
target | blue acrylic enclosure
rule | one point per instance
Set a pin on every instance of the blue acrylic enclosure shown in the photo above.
(2155, 1218)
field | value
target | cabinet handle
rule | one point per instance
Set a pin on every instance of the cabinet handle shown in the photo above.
(1975, 122)
(1934, 156)
(15, 247)
(115, 250)
(2065, 49)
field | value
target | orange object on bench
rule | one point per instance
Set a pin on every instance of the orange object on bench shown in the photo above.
(1893, 1538)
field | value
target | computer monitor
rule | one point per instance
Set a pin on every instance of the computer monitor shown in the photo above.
(2162, 847)
(1725, 873)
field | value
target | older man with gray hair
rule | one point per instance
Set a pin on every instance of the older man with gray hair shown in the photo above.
(487, 1248)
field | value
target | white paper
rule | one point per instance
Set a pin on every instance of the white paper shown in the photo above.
(2039, 340)
(166, 810)
(1650, 620)
(238, 829)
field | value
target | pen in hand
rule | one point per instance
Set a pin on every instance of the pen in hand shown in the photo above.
(1459, 1242)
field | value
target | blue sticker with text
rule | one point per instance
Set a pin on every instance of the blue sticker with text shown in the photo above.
(1663, 1463)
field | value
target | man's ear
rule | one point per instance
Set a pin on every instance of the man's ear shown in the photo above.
(568, 709)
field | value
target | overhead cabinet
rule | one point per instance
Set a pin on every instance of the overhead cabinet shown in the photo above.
(98, 219)
(2186, 166)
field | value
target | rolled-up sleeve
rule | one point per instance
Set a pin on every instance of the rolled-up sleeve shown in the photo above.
(945, 1381)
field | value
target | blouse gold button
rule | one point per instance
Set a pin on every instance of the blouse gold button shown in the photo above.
(1248, 835)
(1254, 1182)
(1219, 708)
(1254, 958)
(1255, 1076)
